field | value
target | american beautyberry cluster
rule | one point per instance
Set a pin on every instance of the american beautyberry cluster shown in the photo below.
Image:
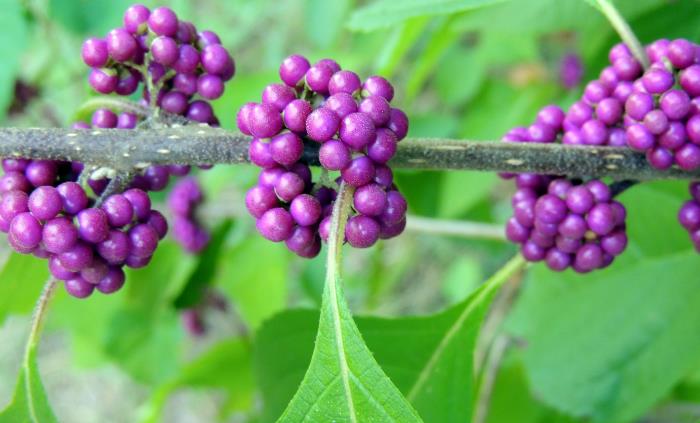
(176, 62)
(566, 224)
(50, 216)
(358, 132)
(88, 237)
(656, 112)
(689, 215)
(183, 200)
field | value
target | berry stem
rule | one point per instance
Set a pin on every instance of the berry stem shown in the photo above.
(624, 31)
(40, 310)
(458, 228)
(115, 104)
(125, 151)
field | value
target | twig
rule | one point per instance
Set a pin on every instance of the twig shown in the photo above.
(128, 150)
(460, 228)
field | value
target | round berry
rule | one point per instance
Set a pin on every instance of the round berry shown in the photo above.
(265, 121)
(45, 203)
(112, 281)
(295, 115)
(275, 224)
(78, 287)
(362, 231)
(322, 124)
(93, 225)
(163, 21)
(26, 231)
(305, 210)
(293, 69)
(334, 155)
(59, 235)
(95, 53)
(359, 172)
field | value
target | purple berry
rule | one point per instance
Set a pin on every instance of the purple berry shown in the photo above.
(322, 124)
(377, 108)
(95, 53)
(357, 130)
(13, 203)
(278, 96)
(295, 115)
(293, 69)
(158, 222)
(286, 148)
(104, 81)
(342, 104)
(165, 50)
(45, 203)
(112, 281)
(210, 86)
(376, 85)
(59, 235)
(119, 210)
(398, 122)
(675, 104)
(383, 148)
(115, 248)
(318, 77)
(288, 186)
(163, 21)
(359, 172)
(78, 287)
(93, 225)
(136, 19)
(122, 45)
(265, 121)
(26, 231)
(276, 224)
(334, 155)
(550, 209)
(688, 157)
(305, 210)
(362, 231)
(144, 240)
(76, 258)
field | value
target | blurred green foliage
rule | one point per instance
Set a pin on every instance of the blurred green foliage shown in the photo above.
(612, 346)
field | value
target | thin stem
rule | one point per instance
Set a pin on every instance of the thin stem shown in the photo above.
(488, 382)
(40, 310)
(623, 29)
(459, 228)
(116, 104)
(193, 144)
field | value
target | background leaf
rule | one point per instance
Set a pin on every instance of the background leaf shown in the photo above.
(385, 13)
(29, 402)
(14, 27)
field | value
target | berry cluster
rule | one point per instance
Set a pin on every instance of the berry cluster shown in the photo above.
(86, 245)
(567, 224)
(689, 215)
(656, 112)
(662, 114)
(183, 200)
(89, 237)
(175, 61)
(358, 132)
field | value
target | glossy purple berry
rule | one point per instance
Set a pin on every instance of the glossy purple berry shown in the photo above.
(359, 172)
(344, 81)
(210, 86)
(265, 121)
(295, 115)
(318, 77)
(136, 19)
(115, 248)
(376, 85)
(398, 123)
(286, 148)
(675, 104)
(322, 124)
(260, 199)
(165, 50)
(78, 287)
(163, 21)
(688, 157)
(275, 224)
(362, 231)
(122, 45)
(93, 225)
(334, 155)
(278, 96)
(103, 80)
(288, 186)
(293, 69)
(45, 203)
(357, 130)
(342, 104)
(59, 235)
(95, 53)
(26, 231)
(305, 210)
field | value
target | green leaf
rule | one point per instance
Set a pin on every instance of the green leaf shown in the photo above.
(14, 27)
(630, 335)
(21, 279)
(205, 272)
(343, 381)
(29, 403)
(399, 43)
(460, 191)
(254, 275)
(386, 13)
(430, 359)
(324, 20)
(441, 39)
(226, 365)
